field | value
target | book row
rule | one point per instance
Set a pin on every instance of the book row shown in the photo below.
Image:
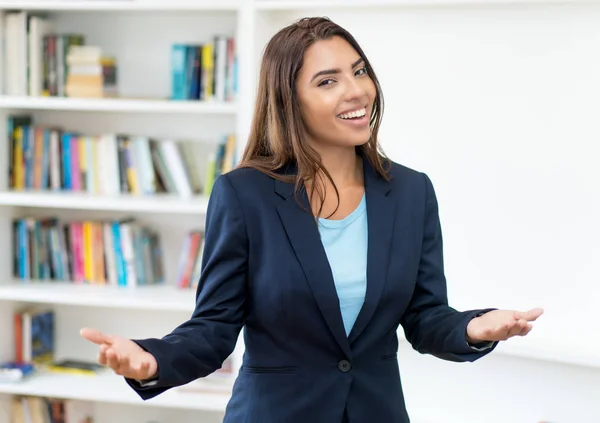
(205, 71)
(121, 252)
(118, 253)
(43, 61)
(50, 158)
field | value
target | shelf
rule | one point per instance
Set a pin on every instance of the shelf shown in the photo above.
(117, 105)
(108, 387)
(159, 203)
(120, 5)
(153, 297)
(281, 5)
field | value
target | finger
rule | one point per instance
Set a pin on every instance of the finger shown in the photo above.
(112, 360)
(526, 330)
(530, 315)
(510, 329)
(517, 327)
(104, 348)
(102, 358)
(96, 336)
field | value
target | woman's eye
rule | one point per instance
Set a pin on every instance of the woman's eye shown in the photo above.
(325, 82)
(359, 72)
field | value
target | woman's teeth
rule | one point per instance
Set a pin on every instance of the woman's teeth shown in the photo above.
(354, 114)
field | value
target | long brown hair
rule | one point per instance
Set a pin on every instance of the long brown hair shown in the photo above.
(277, 134)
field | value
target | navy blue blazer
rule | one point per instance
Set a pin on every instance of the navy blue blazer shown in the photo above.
(265, 269)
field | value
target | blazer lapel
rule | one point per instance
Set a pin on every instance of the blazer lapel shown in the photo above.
(303, 234)
(380, 219)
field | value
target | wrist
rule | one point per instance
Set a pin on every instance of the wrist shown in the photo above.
(472, 339)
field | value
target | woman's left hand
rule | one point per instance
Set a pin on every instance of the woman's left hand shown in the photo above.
(499, 325)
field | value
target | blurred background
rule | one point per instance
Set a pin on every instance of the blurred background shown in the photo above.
(118, 115)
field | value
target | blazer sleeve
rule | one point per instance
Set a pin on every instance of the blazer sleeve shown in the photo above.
(200, 345)
(429, 323)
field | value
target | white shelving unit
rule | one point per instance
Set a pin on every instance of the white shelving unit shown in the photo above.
(143, 59)
(128, 311)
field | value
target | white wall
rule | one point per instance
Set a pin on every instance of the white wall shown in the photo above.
(497, 105)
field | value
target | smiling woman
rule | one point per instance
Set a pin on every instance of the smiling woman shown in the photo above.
(320, 247)
(328, 99)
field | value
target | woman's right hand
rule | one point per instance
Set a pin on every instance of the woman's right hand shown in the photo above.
(123, 356)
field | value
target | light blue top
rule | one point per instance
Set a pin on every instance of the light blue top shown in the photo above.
(345, 242)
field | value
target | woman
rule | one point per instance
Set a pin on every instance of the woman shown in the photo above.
(320, 247)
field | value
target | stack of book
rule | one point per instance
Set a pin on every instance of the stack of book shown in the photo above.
(90, 74)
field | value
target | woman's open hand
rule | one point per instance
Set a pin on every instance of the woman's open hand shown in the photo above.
(500, 325)
(123, 356)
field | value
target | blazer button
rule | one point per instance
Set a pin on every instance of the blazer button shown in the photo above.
(344, 366)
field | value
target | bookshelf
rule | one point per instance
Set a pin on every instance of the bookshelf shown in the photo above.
(144, 107)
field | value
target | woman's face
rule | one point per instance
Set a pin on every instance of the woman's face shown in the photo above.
(336, 94)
